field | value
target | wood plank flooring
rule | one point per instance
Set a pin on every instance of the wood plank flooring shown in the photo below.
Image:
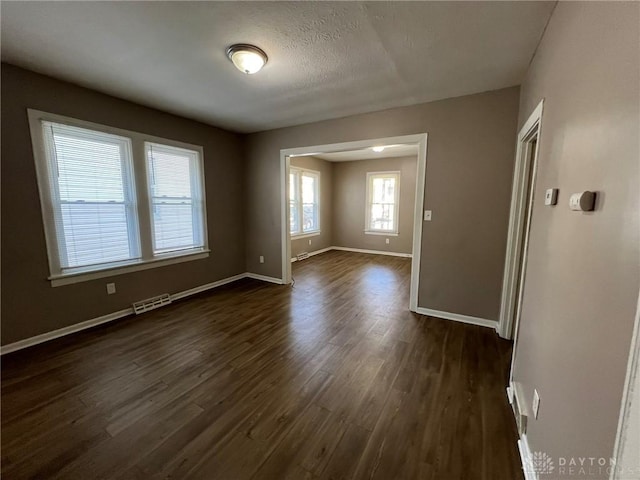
(331, 379)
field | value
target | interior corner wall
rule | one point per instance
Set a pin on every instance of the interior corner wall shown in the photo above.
(24, 254)
(349, 204)
(470, 159)
(583, 269)
(323, 239)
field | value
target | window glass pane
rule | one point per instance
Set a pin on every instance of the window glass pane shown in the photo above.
(92, 195)
(176, 210)
(310, 217)
(308, 189)
(95, 233)
(294, 217)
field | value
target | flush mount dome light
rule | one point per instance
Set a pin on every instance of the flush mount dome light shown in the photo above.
(247, 58)
(378, 149)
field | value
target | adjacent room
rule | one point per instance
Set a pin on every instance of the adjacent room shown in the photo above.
(320, 240)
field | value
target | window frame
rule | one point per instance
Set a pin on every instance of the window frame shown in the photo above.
(369, 203)
(141, 201)
(300, 204)
(197, 193)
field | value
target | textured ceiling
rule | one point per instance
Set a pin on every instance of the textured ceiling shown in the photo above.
(368, 153)
(326, 59)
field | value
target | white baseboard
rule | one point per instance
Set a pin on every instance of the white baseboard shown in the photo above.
(264, 278)
(527, 459)
(207, 286)
(315, 252)
(61, 332)
(482, 322)
(374, 252)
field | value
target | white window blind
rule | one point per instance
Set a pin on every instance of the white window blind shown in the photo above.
(176, 198)
(115, 201)
(304, 201)
(92, 195)
(382, 202)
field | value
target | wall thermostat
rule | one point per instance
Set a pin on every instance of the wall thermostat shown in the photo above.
(583, 201)
(551, 196)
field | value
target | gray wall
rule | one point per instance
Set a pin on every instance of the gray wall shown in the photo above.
(323, 240)
(30, 306)
(350, 187)
(582, 279)
(470, 158)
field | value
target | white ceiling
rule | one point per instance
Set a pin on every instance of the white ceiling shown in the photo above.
(367, 153)
(326, 59)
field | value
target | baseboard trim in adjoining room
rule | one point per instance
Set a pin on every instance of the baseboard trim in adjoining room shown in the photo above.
(315, 252)
(482, 322)
(110, 317)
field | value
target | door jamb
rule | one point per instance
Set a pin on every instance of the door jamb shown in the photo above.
(523, 173)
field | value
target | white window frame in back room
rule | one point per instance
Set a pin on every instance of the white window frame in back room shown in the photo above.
(143, 228)
(369, 230)
(301, 233)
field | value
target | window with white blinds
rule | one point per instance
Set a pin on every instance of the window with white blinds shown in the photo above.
(176, 199)
(114, 199)
(92, 195)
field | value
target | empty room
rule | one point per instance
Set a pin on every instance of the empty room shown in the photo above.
(320, 240)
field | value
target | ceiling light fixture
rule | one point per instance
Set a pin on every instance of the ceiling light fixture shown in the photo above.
(378, 149)
(247, 58)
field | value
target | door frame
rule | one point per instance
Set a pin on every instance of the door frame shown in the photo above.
(519, 221)
(419, 139)
(630, 394)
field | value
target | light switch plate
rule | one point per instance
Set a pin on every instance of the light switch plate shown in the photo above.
(535, 405)
(427, 215)
(111, 288)
(551, 196)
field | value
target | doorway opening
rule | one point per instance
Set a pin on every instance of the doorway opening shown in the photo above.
(302, 183)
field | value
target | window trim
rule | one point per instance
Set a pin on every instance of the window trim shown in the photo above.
(142, 200)
(369, 201)
(317, 175)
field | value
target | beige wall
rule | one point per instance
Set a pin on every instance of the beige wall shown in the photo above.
(30, 306)
(323, 240)
(469, 171)
(583, 269)
(350, 186)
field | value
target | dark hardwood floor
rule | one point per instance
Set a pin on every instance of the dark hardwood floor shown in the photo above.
(333, 378)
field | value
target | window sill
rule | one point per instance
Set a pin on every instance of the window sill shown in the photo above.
(122, 268)
(387, 234)
(305, 235)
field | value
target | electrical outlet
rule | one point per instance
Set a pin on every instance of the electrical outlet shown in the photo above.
(535, 405)
(309, 242)
(387, 241)
(111, 288)
(261, 259)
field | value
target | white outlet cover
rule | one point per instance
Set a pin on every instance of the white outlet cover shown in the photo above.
(535, 405)
(111, 288)
(427, 215)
